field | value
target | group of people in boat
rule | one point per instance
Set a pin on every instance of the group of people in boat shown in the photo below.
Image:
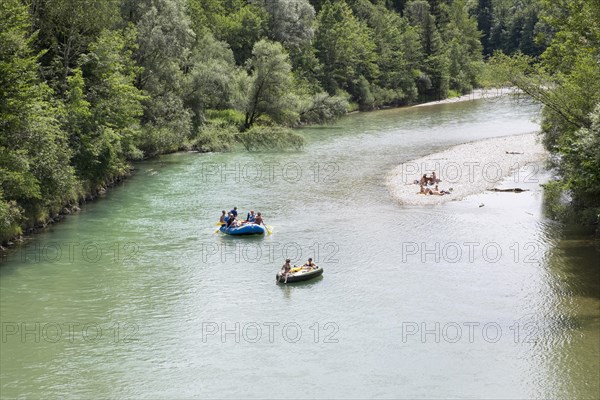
(432, 180)
(287, 268)
(230, 220)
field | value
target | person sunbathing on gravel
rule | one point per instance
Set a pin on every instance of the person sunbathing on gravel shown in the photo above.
(438, 192)
(423, 190)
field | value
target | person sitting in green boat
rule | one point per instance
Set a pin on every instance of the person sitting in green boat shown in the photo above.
(310, 265)
(285, 269)
(223, 217)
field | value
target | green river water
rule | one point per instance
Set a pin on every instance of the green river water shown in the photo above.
(137, 297)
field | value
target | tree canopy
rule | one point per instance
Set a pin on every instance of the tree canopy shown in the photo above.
(566, 80)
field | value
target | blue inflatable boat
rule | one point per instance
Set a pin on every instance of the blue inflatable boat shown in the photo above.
(247, 229)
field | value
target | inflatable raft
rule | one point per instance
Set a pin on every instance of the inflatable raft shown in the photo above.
(246, 229)
(298, 274)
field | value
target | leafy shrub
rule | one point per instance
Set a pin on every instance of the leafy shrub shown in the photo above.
(215, 138)
(270, 138)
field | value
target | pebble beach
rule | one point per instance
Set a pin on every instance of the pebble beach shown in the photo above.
(467, 169)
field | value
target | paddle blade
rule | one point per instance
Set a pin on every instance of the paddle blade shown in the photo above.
(269, 229)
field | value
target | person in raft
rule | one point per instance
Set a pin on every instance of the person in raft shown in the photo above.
(234, 211)
(230, 221)
(309, 264)
(285, 269)
(223, 218)
(258, 220)
(250, 217)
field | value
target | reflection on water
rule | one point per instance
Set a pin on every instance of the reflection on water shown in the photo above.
(573, 266)
(437, 302)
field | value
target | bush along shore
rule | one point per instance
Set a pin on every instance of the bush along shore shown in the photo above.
(57, 214)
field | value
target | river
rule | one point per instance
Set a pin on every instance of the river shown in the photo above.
(137, 297)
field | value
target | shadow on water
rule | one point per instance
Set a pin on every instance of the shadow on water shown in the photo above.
(320, 127)
(239, 239)
(575, 261)
(288, 288)
(302, 284)
(572, 328)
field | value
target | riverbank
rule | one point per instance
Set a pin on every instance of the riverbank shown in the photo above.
(73, 206)
(467, 168)
(477, 94)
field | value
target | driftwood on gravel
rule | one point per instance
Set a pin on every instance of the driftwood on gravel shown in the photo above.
(515, 190)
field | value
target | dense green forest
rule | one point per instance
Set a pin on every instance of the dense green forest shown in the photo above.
(87, 86)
